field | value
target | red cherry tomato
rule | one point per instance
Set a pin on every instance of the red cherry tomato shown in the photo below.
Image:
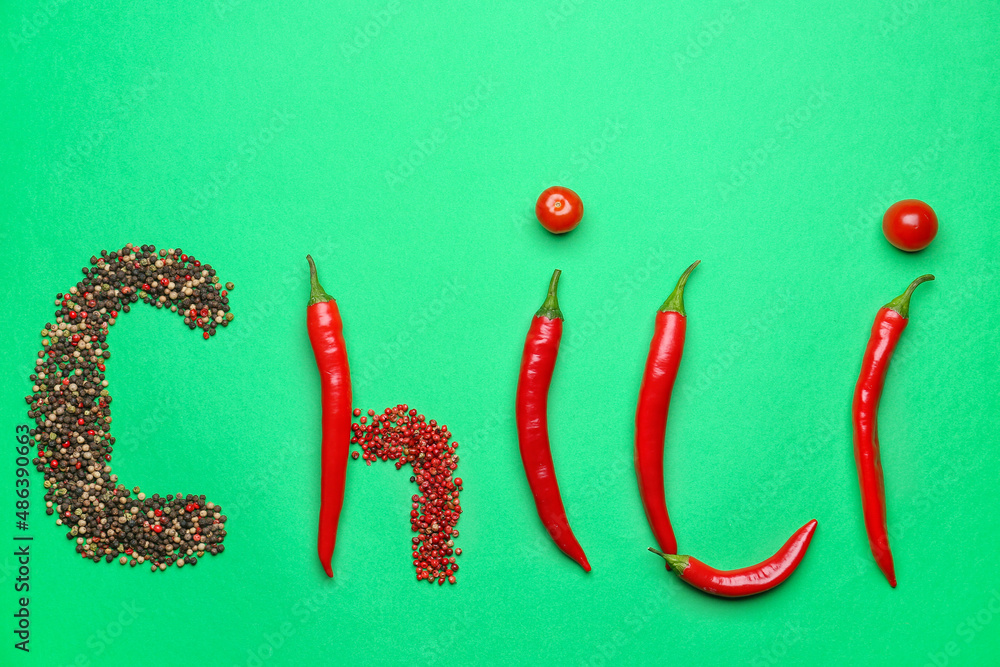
(559, 209)
(910, 225)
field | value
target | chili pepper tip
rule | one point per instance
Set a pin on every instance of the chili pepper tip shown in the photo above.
(901, 304)
(675, 302)
(674, 562)
(317, 294)
(550, 307)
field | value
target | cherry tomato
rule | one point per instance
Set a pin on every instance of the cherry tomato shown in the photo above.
(559, 209)
(910, 225)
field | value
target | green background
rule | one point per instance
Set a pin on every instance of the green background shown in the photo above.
(765, 139)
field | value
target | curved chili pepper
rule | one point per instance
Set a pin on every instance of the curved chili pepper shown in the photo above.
(537, 364)
(748, 580)
(326, 333)
(889, 324)
(664, 359)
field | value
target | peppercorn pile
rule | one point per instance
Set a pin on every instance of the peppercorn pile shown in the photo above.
(399, 434)
(71, 407)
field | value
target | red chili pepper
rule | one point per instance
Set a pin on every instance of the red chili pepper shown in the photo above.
(537, 364)
(664, 359)
(326, 333)
(748, 580)
(889, 324)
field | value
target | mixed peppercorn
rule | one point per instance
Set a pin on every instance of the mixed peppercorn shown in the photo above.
(400, 434)
(71, 407)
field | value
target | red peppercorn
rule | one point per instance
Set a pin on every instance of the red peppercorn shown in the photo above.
(54, 464)
(205, 335)
(355, 455)
(157, 528)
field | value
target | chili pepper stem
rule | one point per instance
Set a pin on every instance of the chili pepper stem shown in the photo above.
(550, 307)
(901, 304)
(675, 563)
(316, 294)
(675, 302)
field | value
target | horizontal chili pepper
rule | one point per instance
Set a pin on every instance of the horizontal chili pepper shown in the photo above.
(889, 324)
(537, 364)
(326, 333)
(748, 580)
(664, 359)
